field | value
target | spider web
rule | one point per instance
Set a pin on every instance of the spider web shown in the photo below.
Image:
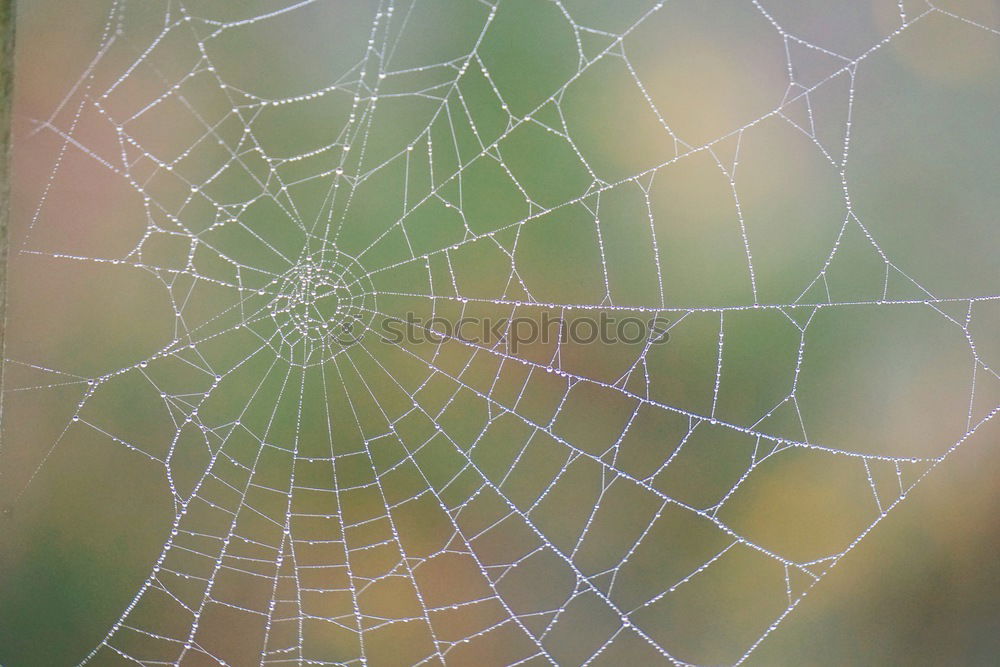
(261, 173)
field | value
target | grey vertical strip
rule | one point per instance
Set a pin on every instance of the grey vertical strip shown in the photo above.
(7, 20)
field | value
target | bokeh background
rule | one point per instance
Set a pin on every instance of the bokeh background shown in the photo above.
(813, 184)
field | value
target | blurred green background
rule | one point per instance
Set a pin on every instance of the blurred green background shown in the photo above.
(806, 188)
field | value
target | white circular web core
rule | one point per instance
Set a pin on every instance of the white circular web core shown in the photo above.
(320, 306)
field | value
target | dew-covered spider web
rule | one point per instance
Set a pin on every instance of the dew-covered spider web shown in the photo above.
(199, 468)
